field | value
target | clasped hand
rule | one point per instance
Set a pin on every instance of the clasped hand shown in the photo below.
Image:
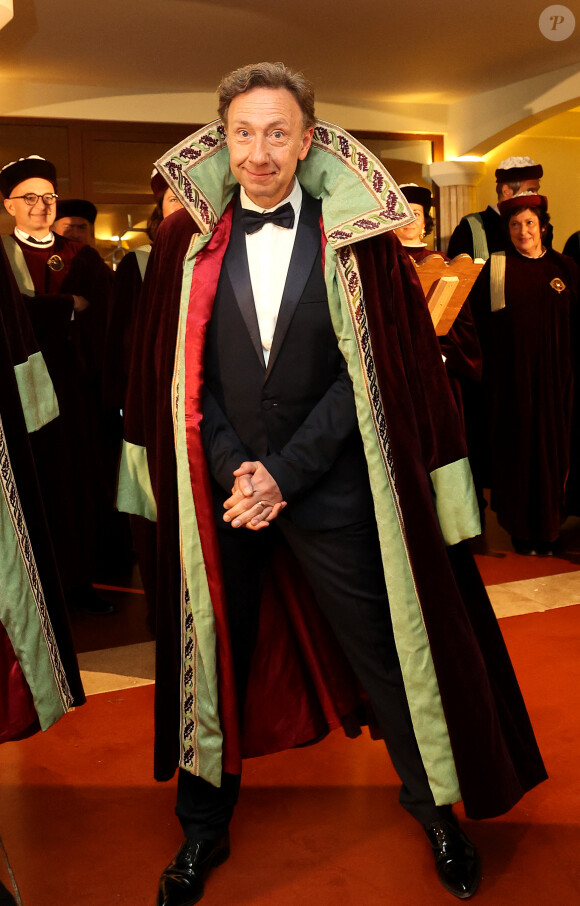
(256, 499)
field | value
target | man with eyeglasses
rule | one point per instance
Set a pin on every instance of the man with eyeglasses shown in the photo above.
(64, 287)
(29, 189)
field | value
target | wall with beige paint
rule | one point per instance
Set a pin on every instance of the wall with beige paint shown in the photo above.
(72, 102)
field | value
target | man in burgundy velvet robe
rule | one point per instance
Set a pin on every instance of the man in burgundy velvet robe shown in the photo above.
(315, 411)
(64, 288)
(39, 678)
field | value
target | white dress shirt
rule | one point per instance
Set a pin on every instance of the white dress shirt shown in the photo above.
(45, 242)
(269, 252)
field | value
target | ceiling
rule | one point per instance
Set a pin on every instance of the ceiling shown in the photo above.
(370, 56)
(366, 53)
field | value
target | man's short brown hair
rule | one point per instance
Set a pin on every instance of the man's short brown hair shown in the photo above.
(514, 186)
(267, 75)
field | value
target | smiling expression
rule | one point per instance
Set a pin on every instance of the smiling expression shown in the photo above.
(36, 219)
(413, 231)
(266, 139)
(526, 233)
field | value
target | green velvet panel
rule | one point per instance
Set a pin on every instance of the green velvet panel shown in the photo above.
(135, 493)
(39, 402)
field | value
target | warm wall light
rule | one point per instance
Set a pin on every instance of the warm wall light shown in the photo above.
(6, 12)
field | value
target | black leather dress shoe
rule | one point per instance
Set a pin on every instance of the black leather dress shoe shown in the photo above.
(6, 898)
(456, 858)
(525, 547)
(182, 882)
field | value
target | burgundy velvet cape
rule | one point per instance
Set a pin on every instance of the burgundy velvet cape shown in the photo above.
(18, 717)
(84, 274)
(77, 488)
(530, 351)
(300, 687)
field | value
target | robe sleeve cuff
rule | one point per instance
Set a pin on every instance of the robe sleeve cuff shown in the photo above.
(456, 502)
(135, 492)
(39, 403)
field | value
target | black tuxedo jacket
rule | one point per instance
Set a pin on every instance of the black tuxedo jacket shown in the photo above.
(297, 415)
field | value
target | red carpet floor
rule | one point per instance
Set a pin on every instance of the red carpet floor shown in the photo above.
(83, 824)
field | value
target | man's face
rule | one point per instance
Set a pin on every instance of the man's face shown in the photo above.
(530, 185)
(74, 228)
(36, 219)
(266, 139)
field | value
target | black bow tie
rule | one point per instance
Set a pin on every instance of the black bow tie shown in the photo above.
(47, 241)
(252, 221)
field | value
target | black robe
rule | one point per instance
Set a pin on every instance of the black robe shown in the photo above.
(528, 364)
(572, 247)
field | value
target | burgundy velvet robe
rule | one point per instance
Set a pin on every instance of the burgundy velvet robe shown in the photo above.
(77, 485)
(300, 686)
(17, 342)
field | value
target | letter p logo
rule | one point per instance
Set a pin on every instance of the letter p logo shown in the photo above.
(557, 23)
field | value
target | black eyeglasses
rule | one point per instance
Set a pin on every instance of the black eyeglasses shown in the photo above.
(31, 198)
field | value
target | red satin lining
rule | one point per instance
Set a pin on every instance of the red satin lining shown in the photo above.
(17, 712)
(205, 277)
(300, 685)
(323, 242)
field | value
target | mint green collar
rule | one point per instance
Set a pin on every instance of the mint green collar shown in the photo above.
(359, 196)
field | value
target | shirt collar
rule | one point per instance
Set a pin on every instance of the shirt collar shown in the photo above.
(295, 199)
(45, 242)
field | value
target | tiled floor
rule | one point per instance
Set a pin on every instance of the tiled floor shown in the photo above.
(83, 823)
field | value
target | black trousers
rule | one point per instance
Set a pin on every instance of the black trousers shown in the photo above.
(343, 567)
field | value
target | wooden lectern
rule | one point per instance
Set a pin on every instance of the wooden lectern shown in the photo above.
(446, 286)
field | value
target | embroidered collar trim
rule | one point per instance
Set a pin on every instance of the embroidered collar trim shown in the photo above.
(359, 196)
